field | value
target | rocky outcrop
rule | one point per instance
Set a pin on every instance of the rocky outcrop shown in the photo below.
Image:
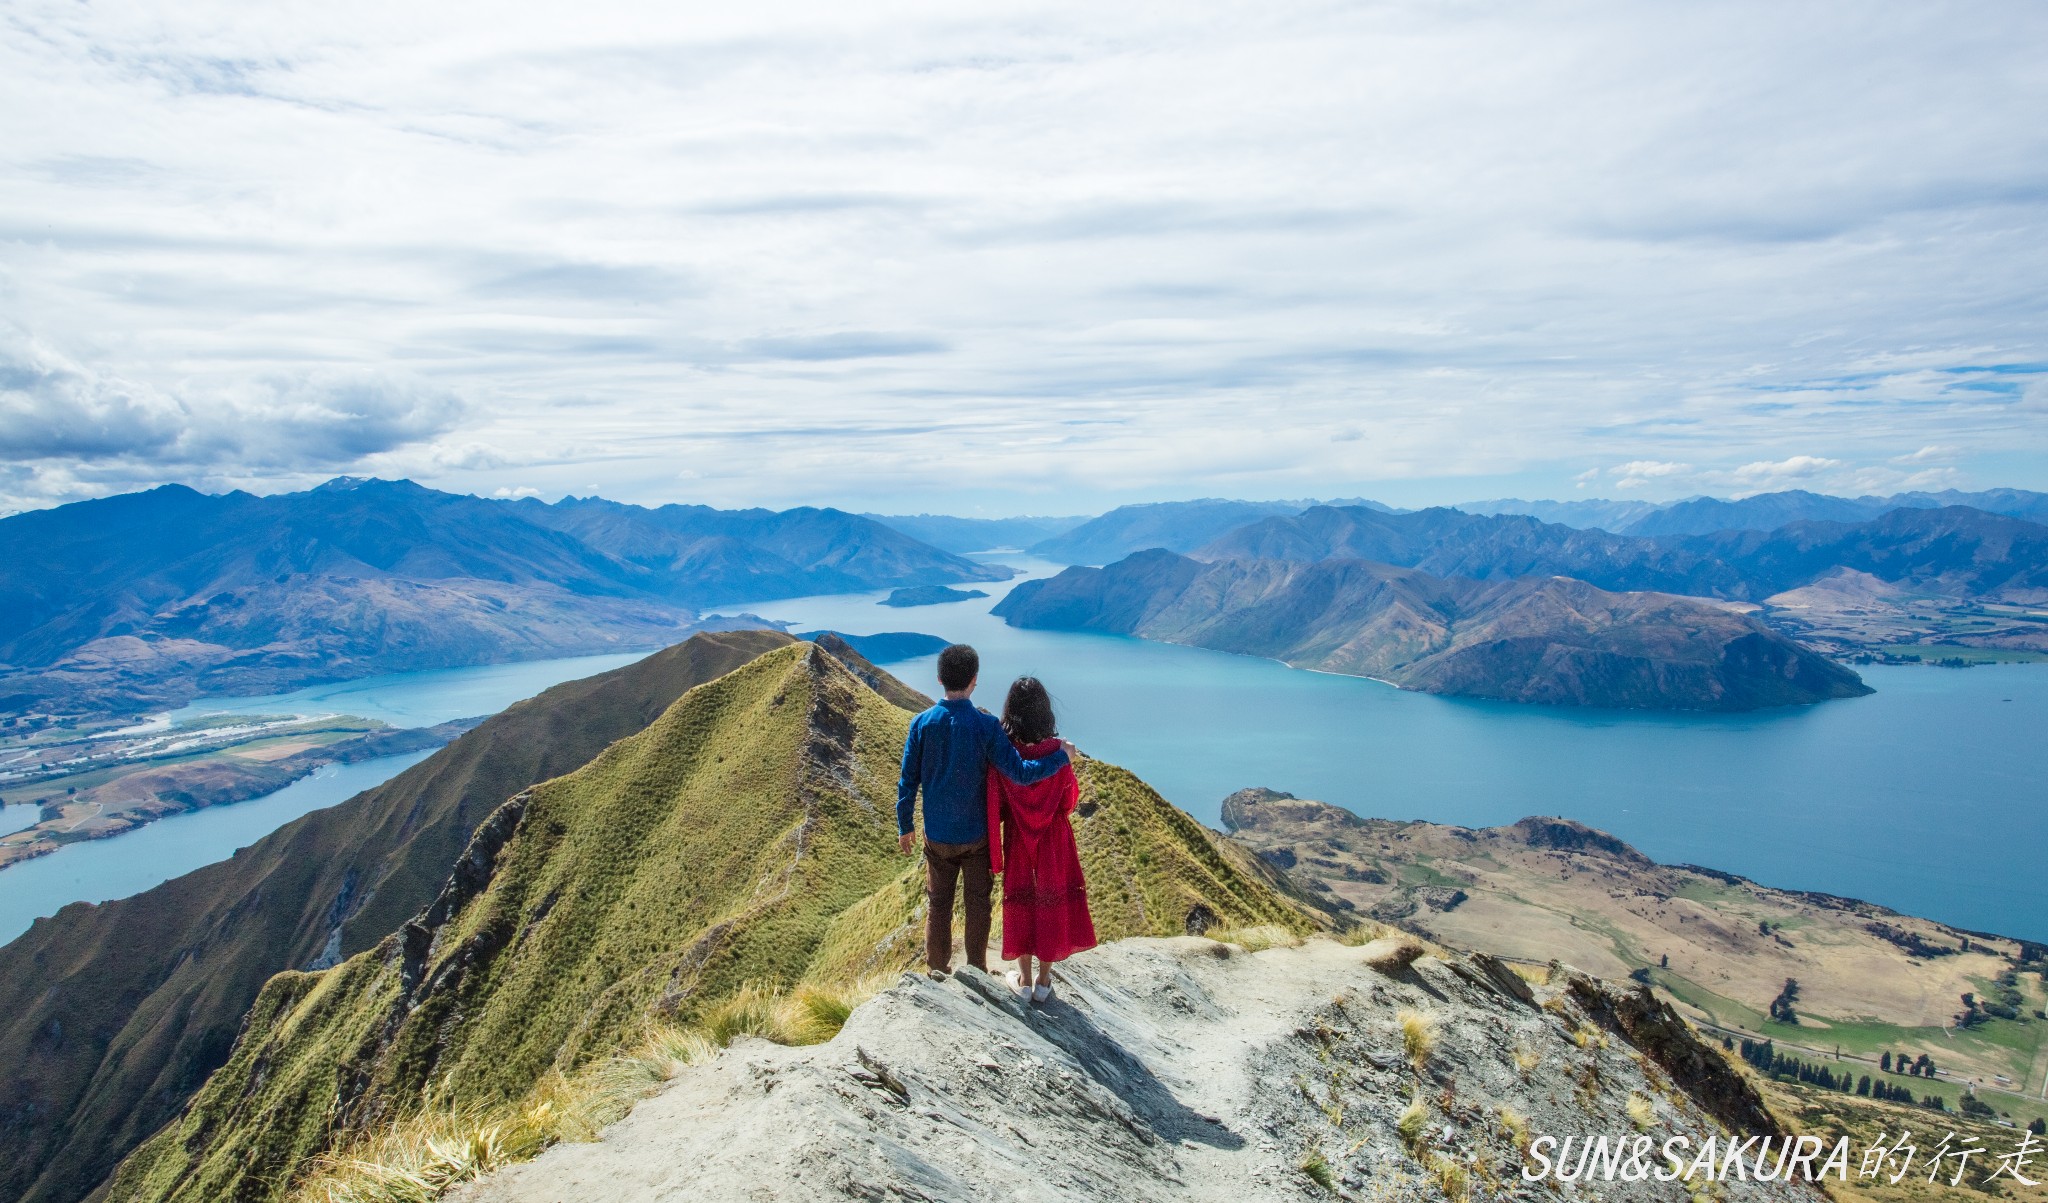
(1175, 1069)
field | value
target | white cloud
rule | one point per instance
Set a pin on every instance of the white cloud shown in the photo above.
(1637, 473)
(815, 252)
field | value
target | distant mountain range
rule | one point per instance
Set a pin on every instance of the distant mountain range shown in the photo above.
(977, 534)
(153, 598)
(1761, 511)
(1174, 525)
(1184, 526)
(1541, 639)
(1956, 551)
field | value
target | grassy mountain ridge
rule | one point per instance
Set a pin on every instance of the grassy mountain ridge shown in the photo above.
(746, 836)
(112, 1015)
(1528, 639)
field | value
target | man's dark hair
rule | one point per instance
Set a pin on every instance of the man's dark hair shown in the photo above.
(958, 666)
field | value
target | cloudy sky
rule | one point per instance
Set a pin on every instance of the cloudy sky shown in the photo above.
(1002, 258)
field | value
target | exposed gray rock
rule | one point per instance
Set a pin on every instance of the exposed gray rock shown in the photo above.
(1176, 1069)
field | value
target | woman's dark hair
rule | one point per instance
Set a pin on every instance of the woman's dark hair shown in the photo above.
(1027, 712)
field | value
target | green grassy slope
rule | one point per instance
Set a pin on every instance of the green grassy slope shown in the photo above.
(746, 837)
(111, 1016)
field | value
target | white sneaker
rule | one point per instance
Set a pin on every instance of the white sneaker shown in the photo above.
(1040, 993)
(1018, 986)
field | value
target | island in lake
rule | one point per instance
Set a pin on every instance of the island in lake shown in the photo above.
(928, 595)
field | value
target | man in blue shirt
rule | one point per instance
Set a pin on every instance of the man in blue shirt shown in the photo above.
(947, 757)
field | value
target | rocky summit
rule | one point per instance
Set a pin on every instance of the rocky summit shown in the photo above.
(1176, 1069)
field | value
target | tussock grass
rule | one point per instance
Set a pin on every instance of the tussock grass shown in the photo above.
(1641, 1112)
(751, 1010)
(1516, 1125)
(1413, 1120)
(1452, 1177)
(1359, 935)
(417, 1161)
(1526, 1059)
(420, 1159)
(1258, 937)
(1418, 1036)
(1316, 1168)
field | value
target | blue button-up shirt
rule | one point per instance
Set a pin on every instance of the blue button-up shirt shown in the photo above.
(947, 756)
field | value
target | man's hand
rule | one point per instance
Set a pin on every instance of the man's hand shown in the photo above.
(1070, 749)
(903, 843)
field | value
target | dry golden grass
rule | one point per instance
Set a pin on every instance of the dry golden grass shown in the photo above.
(1641, 1112)
(1257, 938)
(1526, 1059)
(1452, 1177)
(1516, 1125)
(1413, 1119)
(420, 1159)
(1418, 1036)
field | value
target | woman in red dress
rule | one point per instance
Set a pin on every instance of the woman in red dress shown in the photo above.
(1031, 843)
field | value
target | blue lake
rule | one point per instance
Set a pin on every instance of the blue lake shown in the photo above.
(98, 870)
(1926, 796)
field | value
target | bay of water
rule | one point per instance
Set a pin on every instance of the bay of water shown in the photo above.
(99, 870)
(419, 699)
(1927, 796)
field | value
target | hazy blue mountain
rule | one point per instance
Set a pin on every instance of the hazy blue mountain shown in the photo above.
(1955, 551)
(1174, 525)
(1586, 515)
(157, 597)
(1529, 639)
(700, 555)
(2013, 503)
(977, 534)
(1762, 511)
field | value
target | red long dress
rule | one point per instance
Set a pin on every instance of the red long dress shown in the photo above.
(1045, 900)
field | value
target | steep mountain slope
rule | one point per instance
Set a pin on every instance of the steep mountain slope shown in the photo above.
(1955, 551)
(747, 836)
(112, 1015)
(696, 554)
(963, 535)
(156, 597)
(1175, 1070)
(1530, 639)
(1174, 525)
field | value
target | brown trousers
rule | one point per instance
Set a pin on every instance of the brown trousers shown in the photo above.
(944, 866)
